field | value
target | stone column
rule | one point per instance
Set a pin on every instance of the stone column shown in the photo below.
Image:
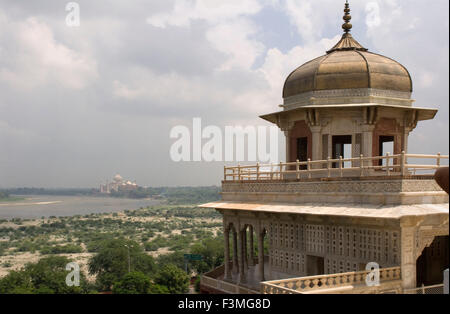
(252, 248)
(408, 257)
(227, 254)
(242, 276)
(405, 137)
(288, 146)
(367, 142)
(316, 143)
(261, 256)
(245, 248)
(235, 252)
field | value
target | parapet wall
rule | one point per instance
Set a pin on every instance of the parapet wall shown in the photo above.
(365, 190)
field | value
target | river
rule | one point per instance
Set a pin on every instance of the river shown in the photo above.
(37, 206)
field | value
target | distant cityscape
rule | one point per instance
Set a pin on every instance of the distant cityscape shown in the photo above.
(118, 184)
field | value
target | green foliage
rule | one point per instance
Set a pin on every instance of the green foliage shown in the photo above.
(157, 243)
(174, 278)
(112, 262)
(197, 284)
(47, 276)
(175, 258)
(65, 235)
(133, 283)
(62, 249)
(192, 195)
(173, 242)
(212, 250)
(41, 191)
(158, 289)
(178, 195)
(7, 265)
(16, 282)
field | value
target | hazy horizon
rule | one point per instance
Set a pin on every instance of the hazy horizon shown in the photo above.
(81, 104)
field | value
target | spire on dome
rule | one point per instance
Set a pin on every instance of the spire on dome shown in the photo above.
(347, 26)
(347, 41)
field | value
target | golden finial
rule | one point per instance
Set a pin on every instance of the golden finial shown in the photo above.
(347, 17)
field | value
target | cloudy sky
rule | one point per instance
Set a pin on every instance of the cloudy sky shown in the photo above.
(80, 104)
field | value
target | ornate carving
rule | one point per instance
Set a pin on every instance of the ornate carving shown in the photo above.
(321, 97)
(424, 238)
(388, 186)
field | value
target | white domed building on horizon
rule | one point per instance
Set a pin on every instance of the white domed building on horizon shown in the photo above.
(117, 185)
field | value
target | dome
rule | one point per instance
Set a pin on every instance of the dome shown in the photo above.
(348, 65)
(118, 177)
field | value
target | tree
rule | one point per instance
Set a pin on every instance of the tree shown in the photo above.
(175, 258)
(174, 278)
(158, 289)
(197, 284)
(4, 194)
(133, 283)
(114, 259)
(16, 282)
(212, 251)
(47, 276)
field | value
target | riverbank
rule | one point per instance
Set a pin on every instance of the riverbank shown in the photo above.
(11, 199)
(161, 230)
(38, 206)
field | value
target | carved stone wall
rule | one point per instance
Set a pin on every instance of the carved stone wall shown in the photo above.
(344, 244)
(388, 191)
(344, 248)
(347, 186)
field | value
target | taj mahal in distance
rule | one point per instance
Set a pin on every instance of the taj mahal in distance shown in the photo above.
(326, 223)
(118, 184)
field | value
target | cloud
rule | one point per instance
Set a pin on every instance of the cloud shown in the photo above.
(234, 40)
(212, 11)
(78, 105)
(33, 58)
(300, 13)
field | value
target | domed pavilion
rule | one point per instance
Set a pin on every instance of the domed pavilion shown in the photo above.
(349, 96)
(351, 210)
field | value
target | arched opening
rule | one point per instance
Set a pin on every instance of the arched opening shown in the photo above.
(431, 264)
(342, 147)
(250, 245)
(261, 254)
(231, 252)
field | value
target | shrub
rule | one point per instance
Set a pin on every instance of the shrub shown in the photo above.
(133, 283)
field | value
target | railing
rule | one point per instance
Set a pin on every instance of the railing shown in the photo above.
(436, 289)
(209, 280)
(326, 282)
(391, 165)
(225, 287)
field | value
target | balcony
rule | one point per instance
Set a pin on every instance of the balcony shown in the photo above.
(403, 179)
(345, 283)
(213, 282)
(386, 166)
